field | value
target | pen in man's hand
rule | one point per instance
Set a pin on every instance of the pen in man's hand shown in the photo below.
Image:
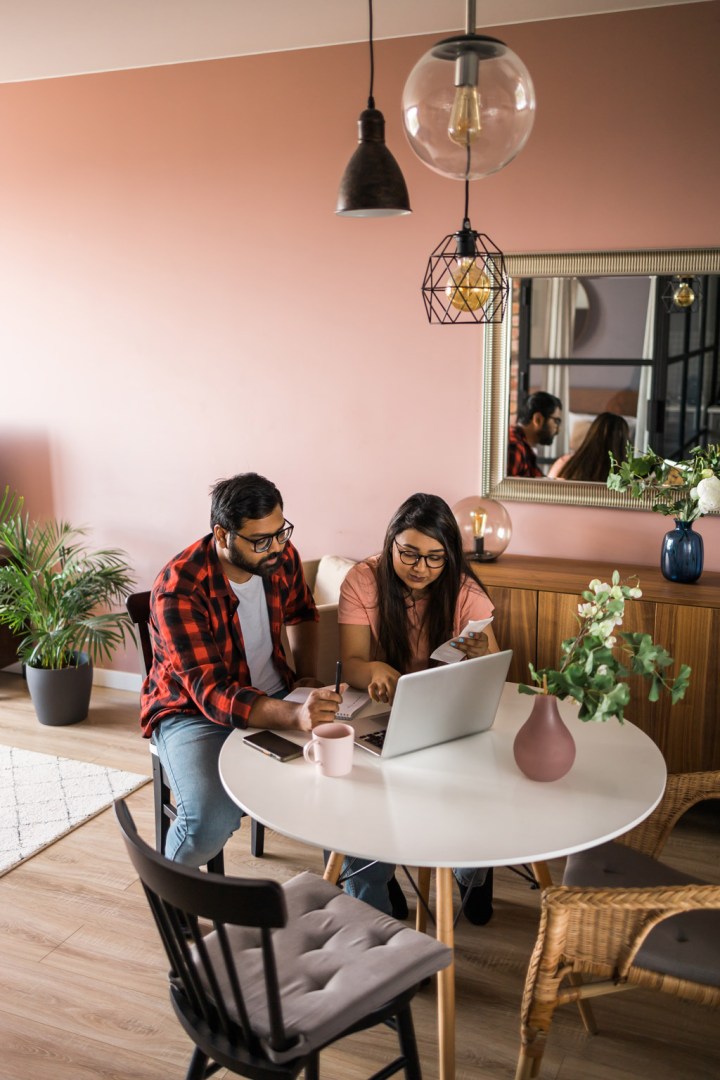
(338, 675)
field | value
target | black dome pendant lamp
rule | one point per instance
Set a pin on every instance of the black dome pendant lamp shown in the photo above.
(372, 184)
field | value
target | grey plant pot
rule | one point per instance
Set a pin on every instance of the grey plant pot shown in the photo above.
(61, 696)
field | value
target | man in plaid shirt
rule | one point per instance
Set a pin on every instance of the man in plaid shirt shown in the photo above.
(216, 615)
(538, 422)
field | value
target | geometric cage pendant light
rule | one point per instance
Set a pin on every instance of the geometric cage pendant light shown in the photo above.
(465, 279)
(372, 184)
(468, 109)
(682, 293)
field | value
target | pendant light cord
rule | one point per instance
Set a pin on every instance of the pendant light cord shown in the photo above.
(371, 99)
(466, 219)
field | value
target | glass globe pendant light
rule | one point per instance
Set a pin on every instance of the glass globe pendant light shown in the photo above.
(372, 184)
(468, 105)
(465, 280)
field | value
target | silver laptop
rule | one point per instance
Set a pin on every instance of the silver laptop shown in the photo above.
(438, 705)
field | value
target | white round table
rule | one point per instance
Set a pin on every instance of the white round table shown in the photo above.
(463, 803)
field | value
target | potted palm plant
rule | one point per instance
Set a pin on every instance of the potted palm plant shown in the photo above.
(57, 596)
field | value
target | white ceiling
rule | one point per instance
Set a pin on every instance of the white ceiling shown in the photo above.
(49, 38)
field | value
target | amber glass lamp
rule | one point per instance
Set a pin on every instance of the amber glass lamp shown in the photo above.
(485, 527)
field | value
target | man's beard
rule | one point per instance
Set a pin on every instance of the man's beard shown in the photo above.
(264, 568)
(546, 437)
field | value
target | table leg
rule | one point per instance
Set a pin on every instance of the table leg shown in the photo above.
(424, 890)
(542, 874)
(333, 868)
(446, 977)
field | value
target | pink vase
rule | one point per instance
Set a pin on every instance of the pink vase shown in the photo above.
(544, 749)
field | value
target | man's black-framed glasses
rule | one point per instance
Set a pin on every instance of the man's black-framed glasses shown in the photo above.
(411, 558)
(264, 543)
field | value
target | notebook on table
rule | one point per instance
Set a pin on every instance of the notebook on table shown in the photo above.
(438, 705)
(352, 702)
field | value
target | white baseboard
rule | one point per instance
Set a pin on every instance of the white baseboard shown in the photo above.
(116, 680)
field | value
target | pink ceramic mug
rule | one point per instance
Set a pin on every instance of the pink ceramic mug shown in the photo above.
(331, 748)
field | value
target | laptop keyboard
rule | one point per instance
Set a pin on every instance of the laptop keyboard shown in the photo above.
(375, 738)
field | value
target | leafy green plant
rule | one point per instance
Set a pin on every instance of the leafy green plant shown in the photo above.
(54, 593)
(685, 490)
(595, 666)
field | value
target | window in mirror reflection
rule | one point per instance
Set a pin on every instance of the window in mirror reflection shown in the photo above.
(610, 344)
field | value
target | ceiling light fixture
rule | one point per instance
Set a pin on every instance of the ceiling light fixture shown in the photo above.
(468, 105)
(682, 293)
(372, 184)
(468, 109)
(465, 280)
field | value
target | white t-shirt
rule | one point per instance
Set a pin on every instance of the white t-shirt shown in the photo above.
(255, 624)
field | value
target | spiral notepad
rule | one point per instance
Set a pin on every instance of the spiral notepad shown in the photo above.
(353, 700)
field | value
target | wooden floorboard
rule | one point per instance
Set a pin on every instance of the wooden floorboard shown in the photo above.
(83, 992)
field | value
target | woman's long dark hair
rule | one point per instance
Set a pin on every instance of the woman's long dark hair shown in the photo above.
(591, 461)
(431, 515)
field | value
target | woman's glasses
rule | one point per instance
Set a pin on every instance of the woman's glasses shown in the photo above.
(264, 543)
(411, 558)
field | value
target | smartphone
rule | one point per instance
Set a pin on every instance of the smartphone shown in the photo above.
(274, 745)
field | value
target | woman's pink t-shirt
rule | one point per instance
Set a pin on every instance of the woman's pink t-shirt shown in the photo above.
(359, 607)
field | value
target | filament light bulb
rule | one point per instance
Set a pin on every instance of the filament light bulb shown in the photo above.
(468, 287)
(465, 125)
(478, 520)
(684, 296)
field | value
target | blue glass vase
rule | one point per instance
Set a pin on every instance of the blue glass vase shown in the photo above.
(681, 558)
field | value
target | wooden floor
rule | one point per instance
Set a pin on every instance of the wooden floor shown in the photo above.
(82, 980)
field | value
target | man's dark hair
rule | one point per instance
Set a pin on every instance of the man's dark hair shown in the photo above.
(242, 497)
(541, 402)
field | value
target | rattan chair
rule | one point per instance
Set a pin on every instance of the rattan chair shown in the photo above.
(623, 919)
(138, 607)
(285, 971)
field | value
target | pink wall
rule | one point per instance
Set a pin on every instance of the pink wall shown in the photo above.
(178, 301)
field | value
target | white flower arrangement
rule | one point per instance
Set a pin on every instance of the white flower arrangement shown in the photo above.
(685, 490)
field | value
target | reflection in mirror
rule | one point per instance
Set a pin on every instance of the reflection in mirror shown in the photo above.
(634, 334)
(585, 340)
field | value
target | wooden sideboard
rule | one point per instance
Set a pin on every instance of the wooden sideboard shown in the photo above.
(535, 603)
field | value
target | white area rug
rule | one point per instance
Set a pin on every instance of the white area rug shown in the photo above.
(44, 797)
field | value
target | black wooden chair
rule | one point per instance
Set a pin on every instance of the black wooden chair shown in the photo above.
(138, 607)
(286, 969)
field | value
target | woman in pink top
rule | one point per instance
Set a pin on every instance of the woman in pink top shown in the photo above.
(395, 609)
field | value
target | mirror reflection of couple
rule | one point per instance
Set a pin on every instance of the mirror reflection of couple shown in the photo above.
(538, 423)
(217, 613)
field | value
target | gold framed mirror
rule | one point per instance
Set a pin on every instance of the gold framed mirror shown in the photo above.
(501, 339)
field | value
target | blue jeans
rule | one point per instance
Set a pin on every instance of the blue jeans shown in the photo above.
(370, 883)
(189, 748)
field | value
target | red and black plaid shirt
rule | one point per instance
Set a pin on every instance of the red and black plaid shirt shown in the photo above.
(521, 460)
(199, 662)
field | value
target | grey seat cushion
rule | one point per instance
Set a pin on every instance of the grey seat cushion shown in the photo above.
(617, 866)
(338, 959)
(687, 945)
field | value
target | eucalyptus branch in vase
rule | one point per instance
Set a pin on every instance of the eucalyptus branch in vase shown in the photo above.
(596, 663)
